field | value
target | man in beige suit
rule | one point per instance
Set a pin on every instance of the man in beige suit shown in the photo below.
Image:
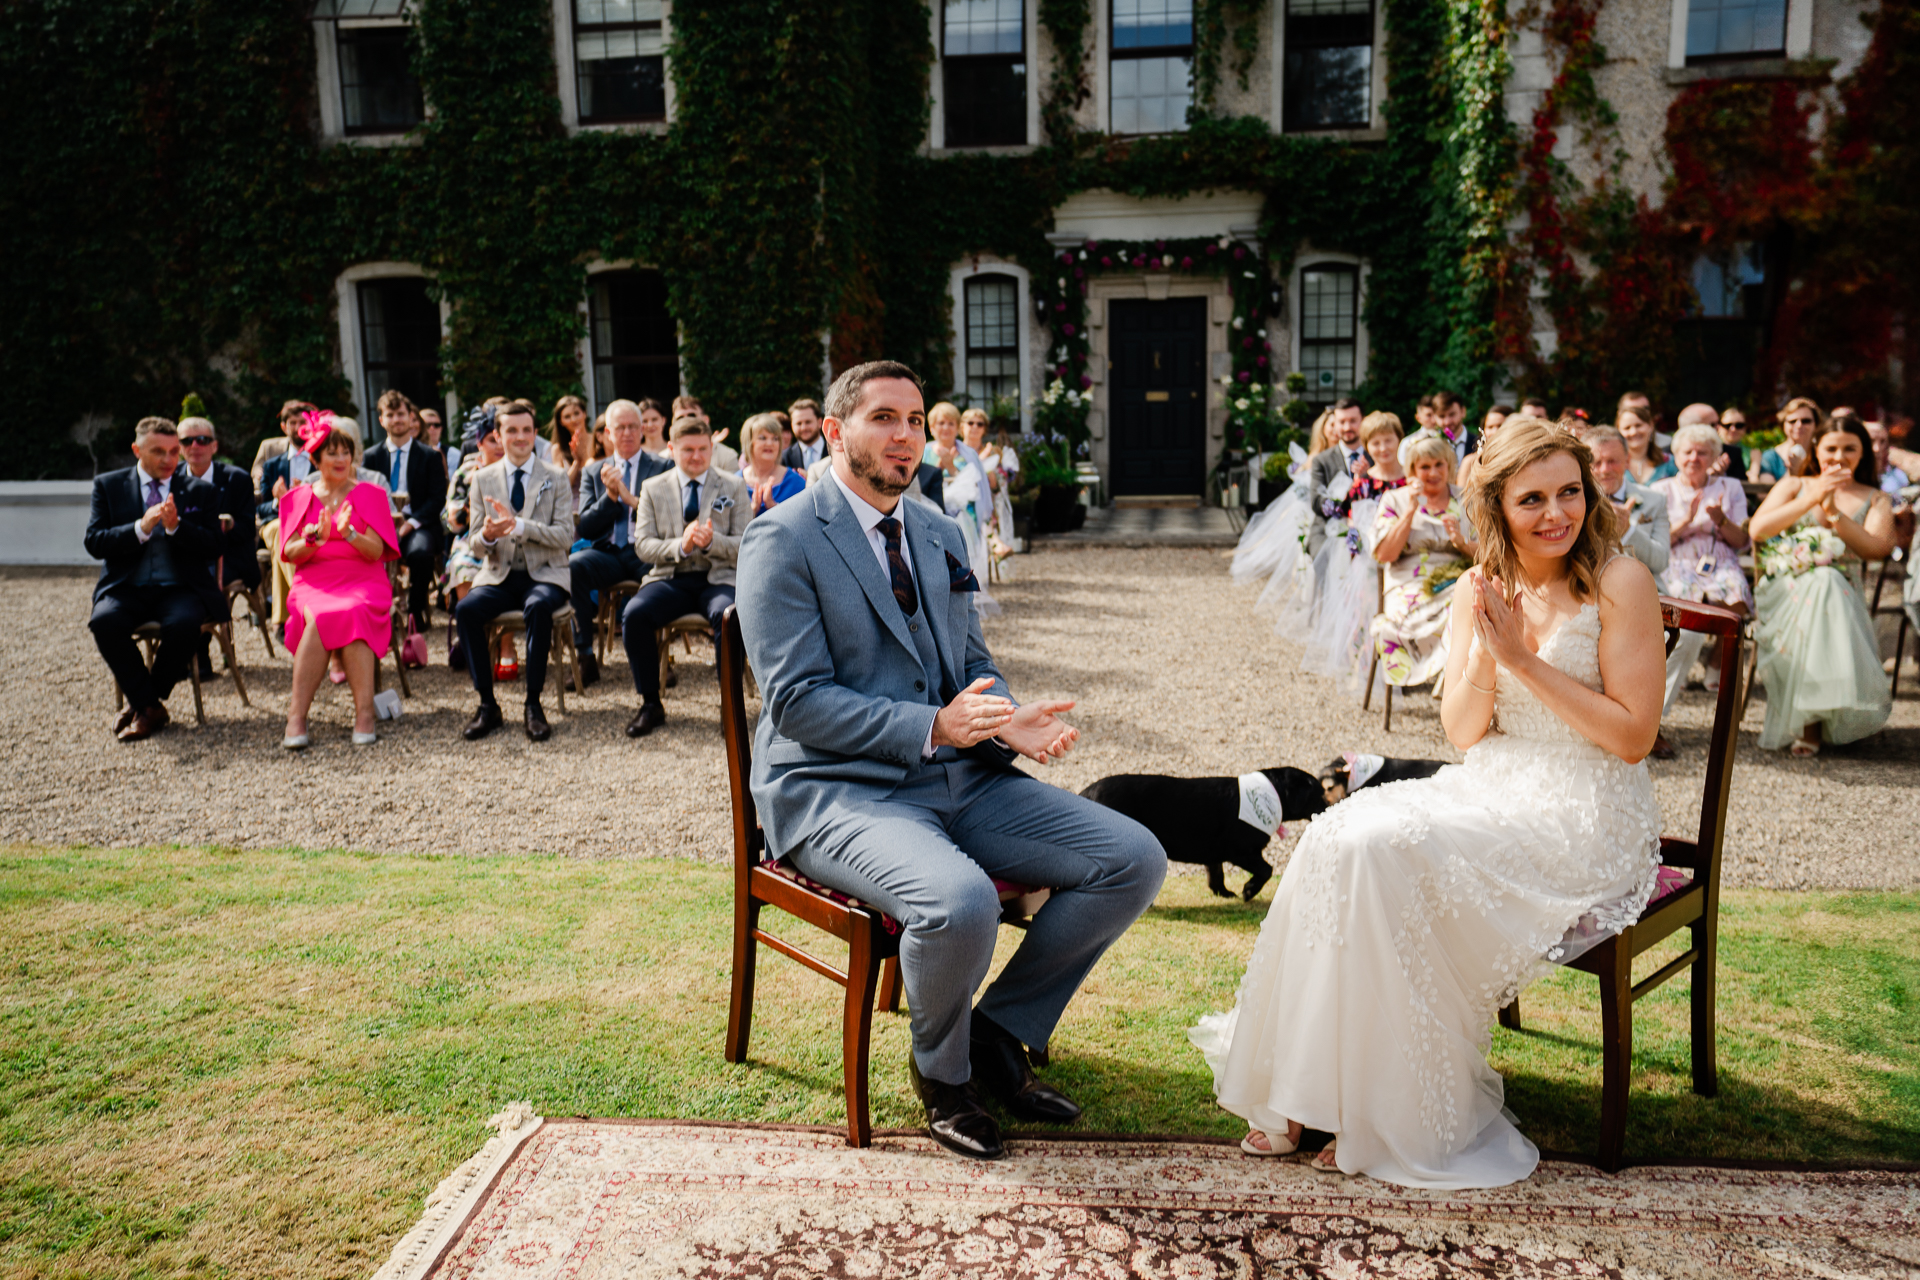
(521, 512)
(687, 524)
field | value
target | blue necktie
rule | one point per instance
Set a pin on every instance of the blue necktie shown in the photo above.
(691, 511)
(393, 478)
(621, 532)
(519, 489)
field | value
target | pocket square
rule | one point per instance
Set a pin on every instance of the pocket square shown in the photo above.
(722, 502)
(959, 577)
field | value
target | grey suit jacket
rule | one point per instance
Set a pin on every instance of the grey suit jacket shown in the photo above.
(659, 523)
(1649, 535)
(548, 514)
(1328, 465)
(844, 703)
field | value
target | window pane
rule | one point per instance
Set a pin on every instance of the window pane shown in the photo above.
(621, 87)
(990, 377)
(1317, 8)
(984, 26)
(377, 90)
(588, 12)
(1730, 290)
(636, 348)
(1152, 24)
(1327, 304)
(1329, 88)
(1735, 27)
(993, 314)
(1329, 370)
(400, 338)
(985, 104)
(1151, 95)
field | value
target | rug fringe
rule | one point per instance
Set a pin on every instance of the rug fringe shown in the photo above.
(417, 1250)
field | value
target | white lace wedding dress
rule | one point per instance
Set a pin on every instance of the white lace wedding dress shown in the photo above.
(1410, 914)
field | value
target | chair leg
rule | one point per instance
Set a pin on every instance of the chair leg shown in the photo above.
(1899, 647)
(1706, 1067)
(199, 702)
(1510, 1015)
(225, 636)
(746, 918)
(559, 646)
(1373, 665)
(856, 1033)
(889, 998)
(1616, 1030)
(1387, 702)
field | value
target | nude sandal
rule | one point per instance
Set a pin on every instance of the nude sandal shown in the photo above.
(1277, 1144)
(1323, 1161)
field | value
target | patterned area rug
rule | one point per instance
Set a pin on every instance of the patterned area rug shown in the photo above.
(608, 1198)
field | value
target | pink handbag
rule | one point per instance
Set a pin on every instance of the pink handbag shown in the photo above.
(413, 650)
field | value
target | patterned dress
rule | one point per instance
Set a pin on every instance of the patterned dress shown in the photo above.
(1703, 567)
(1410, 631)
(1410, 913)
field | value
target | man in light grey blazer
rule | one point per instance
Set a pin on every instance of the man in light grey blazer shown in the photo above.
(1337, 459)
(687, 525)
(521, 512)
(883, 765)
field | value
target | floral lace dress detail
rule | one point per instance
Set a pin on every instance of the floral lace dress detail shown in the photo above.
(1410, 914)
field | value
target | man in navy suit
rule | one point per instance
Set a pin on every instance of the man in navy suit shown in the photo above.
(198, 444)
(158, 532)
(609, 492)
(808, 446)
(882, 765)
(420, 472)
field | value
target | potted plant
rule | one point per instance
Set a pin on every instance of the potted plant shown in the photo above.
(1046, 458)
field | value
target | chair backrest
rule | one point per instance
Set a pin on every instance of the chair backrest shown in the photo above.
(1723, 628)
(748, 839)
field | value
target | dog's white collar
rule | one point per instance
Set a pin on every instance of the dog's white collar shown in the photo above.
(1260, 805)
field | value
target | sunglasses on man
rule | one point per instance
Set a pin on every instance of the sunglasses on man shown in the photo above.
(196, 439)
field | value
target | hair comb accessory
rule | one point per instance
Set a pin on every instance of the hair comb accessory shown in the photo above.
(479, 425)
(315, 426)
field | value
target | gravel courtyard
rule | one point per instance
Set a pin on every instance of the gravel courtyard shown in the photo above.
(1173, 672)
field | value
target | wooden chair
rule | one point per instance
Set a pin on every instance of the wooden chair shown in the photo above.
(1373, 657)
(607, 619)
(1695, 906)
(684, 628)
(562, 648)
(256, 609)
(148, 634)
(873, 940)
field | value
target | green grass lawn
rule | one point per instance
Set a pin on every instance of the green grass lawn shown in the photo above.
(247, 1064)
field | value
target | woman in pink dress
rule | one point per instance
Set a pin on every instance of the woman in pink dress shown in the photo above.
(336, 533)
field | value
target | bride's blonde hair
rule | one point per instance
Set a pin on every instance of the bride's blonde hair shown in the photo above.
(1521, 442)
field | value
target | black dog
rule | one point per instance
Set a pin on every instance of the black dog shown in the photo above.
(1198, 819)
(1336, 780)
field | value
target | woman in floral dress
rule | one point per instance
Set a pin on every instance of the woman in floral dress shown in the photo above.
(1422, 537)
(1819, 657)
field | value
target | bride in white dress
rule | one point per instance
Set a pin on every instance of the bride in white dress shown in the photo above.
(1410, 913)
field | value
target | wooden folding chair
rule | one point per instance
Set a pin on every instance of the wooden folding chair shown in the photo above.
(256, 609)
(607, 618)
(1694, 906)
(873, 940)
(561, 650)
(148, 634)
(1373, 657)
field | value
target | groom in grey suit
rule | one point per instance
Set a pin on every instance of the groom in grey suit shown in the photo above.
(883, 765)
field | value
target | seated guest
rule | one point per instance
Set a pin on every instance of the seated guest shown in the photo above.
(1488, 425)
(769, 480)
(1534, 407)
(156, 531)
(608, 495)
(808, 446)
(1892, 478)
(883, 767)
(274, 475)
(724, 458)
(1800, 421)
(1733, 429)
(481, 448)
(1421, 535)
(1646, 535)
(653, 429)
(292, 414)
(687, 526)
(1706, 517)
(420, 475)
(1819, 656)
(336, 531)
(238, 563)
(432, 434)
(999, 464)
(1698, 415)
(1644, 454)
(520, 519)
(568, 430)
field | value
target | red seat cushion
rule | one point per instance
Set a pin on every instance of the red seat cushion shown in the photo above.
(1668, 882)
(1006, 888)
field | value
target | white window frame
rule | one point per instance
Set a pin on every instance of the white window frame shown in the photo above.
(937, 118)
(567, 72)
(1376, 126)
(985, 265)
(594, 268)
(1101, 72)
(352, 365)
(1799, 38)
(1307, 261)
(333, 124)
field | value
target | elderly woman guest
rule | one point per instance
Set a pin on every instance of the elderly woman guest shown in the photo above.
(1707, 516)
(336, 532)
(1421, 536)
(966, 493)
(772, 483)
(1800, 420)
(1819, 657)
(999, 464)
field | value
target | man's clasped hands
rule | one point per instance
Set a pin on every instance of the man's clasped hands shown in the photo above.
(1034, 729)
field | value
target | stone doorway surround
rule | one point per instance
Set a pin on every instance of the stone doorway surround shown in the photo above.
(1157, 288)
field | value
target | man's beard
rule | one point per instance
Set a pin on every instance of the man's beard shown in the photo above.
(867, 466)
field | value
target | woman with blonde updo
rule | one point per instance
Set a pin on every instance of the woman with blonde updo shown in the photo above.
(1411, 913)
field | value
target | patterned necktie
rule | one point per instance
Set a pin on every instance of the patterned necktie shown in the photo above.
(903, 589)
(620, 530)
(519, 489)
(153, 493)
(691, 511)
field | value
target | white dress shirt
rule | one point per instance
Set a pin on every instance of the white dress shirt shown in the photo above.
(397, 463)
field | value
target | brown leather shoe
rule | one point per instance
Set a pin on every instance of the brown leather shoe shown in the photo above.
(650, 717)
(121, 721)
(1662, 749)
(146, 723)
(538, 730)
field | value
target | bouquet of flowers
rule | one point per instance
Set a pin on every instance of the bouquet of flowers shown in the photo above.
(1796, 551)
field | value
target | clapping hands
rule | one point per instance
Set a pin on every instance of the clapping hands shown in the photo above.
(699, 534)
(499, 525)
(1034, 730)
(1497, 624)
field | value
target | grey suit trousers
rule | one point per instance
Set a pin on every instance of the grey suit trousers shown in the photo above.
(928, 854)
